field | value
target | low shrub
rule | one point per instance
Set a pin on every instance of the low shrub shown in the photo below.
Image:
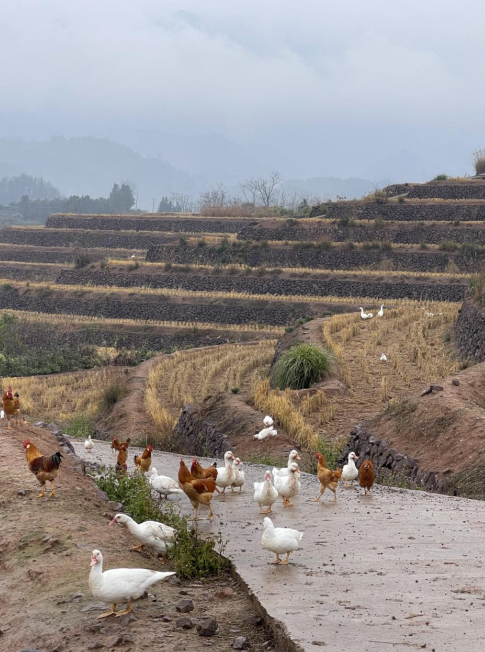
(440, 177)
(192, 557)
(80, 425)
(479, 160)
(301, 366)
(448, 245)
(112, 394)
(235, 390)
(81, 259)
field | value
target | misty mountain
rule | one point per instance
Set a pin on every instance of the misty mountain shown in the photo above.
(90, 166)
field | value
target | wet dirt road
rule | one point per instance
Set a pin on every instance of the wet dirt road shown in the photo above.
(400, 570)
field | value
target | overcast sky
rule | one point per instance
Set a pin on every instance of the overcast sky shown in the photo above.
(312, 87)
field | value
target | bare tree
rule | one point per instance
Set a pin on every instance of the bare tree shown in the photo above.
(216, 196)
(249, 191)
(183, 202)
(266, 188)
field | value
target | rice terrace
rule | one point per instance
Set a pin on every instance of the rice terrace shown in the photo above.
(242, 327)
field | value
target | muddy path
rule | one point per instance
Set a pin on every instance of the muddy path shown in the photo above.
(400, 570)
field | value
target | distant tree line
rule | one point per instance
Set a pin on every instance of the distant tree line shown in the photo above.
(13, 188)
(35, 210)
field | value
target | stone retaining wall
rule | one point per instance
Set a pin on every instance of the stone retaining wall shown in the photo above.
(439, 190)
(328, 285)
(316, 257)
(129, 223)
(28, 273)
(162, 308)
(385, 457)
(86, 239)
(470, 331)
(403, 212)
(65, 256)
(405, 234)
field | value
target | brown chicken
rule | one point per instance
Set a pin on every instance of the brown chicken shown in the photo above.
(8, 404)
(328, 479)
(200, 473)
(143, 461)
(121, 466)
(115, 444)
(199, 492)
(366, 476)
(16, 400)
(44, 467)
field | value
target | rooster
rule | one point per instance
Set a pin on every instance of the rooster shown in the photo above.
(116, 444)
(8, 404)
(121, 466)
(328, 479)
(44, 467)
(200, 473)
(143, 461)
(199, 492)
(366, 476)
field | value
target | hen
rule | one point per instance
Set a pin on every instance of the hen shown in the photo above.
(200, 473)
(199, 492)
(121, 466)
(16, 400)
(143, 461)
(44, 467)
(366, 476)
(328, 479)
(116, 444)
(8, 404)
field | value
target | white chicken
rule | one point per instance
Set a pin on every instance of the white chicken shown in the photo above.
(292, 457)
(289, 485)
(162, 484)
(350, 471)
(268, 421)
(280, 540)
(153, 534)
(265, 432)
(383, 358)
(265, 494)
(226, 475)
(120, 585)
(240, 479)
(89, 444)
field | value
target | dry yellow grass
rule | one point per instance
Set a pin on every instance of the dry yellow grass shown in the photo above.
(59, 396)
(190, 376)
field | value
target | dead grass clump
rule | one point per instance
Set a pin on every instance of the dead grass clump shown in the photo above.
(479, 160)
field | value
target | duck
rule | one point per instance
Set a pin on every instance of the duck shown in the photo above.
(289, 485)
(383, 358)
(292, 457)
(265, 432)
(162, 484)
(120, 585)
(240, 479)
(152, 534)
(226, 475)
(265, 494)
(268, 421)
(280, 540)
(365, 315)
(381, 311)
(89, 444)
(350, 472)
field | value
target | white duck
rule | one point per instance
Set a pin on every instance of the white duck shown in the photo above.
(268, 421)
(89, 444)
(240, 479)
(365, 315)
(162, 484)
(226, 475)
(383, 358)
(381, 311)
(153, 534)
(350, 472)
(265, 493)
(280, 540)
(292, 457)
(287, 486)
(120, 584)
(265, 432)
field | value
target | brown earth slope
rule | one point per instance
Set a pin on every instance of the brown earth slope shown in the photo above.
(45, 551)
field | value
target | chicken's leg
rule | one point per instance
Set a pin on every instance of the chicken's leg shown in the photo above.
(211, 513)
(194, 518)
(277, 560)
(52, 495)
(126, 611)
(42, 493)
(138, 548)
(111, 612)
(334, 495)
(286, 561)
(317, 500)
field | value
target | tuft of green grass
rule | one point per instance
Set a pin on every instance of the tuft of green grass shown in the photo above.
(192, 557)
(301, 366)
(440, 177)
(112, 394)
(80, 425)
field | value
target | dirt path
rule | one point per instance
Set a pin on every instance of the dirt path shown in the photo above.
(401, 570)
(45, 548)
